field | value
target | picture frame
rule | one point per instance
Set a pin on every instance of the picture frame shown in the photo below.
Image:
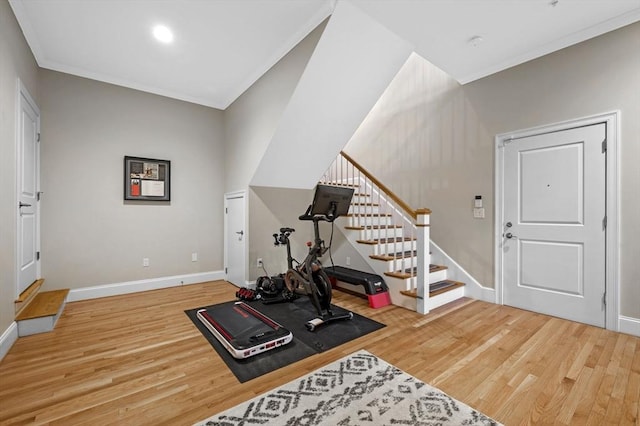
(147, 179)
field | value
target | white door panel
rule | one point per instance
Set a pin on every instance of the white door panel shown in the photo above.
(28, 185)
(554, 239)
(235, 236)
(555, 267)
(552, 184)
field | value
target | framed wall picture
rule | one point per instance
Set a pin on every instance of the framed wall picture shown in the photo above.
(147, 179)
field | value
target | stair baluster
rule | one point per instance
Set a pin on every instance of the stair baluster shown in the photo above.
(383, 217)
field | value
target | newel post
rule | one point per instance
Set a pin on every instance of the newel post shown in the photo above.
(424, 259)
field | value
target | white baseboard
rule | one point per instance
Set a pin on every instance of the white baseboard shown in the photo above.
(489, 294)
(116, 289)
(629, 325)
(8, 338)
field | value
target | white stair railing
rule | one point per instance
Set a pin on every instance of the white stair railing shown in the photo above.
(400, 232)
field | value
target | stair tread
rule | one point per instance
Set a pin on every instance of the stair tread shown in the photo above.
(365, 204)
(376, 227)
(393, 256)
(436, 288)
(43, 305)
(369, 214)
(348, 185)
(386, 240)
(412, 272)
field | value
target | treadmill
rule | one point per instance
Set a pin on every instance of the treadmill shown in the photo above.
(242, 330)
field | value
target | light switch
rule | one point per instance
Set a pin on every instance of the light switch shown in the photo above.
(478, 213)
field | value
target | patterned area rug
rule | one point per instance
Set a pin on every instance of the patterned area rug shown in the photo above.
(359, 389)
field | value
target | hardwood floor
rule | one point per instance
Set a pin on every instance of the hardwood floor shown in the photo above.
(137, 359)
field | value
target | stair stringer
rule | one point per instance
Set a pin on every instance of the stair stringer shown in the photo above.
(473, 288)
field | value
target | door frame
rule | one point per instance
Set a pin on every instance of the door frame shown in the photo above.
(612, 259)
(227, 196)
(23, 93)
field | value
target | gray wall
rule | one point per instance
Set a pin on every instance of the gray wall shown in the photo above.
(16, 61)
(281, 207)
(432, 140)
(425, 141)
(90, 236)
(596, 76)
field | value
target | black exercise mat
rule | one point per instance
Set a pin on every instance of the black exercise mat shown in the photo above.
(292, 316)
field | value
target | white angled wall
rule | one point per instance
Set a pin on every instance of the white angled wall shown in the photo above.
(352, 64)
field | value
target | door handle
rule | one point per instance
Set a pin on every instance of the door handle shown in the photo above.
(21, 205)
(241, 233)
(509, 235)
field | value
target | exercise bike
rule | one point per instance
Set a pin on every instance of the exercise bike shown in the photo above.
(308, 277)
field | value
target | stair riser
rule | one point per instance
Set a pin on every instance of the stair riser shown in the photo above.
(369, 221)
(367, 209)
(434, 277)
(444, 298)
(441, 275)
(381, 249)
(363, 198)
(374, 234)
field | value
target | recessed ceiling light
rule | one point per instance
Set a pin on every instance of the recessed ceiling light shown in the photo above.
(163, 34)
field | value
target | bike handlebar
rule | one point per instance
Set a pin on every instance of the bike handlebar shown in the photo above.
(329, 217)
(283, 237)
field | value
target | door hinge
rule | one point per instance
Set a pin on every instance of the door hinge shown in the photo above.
(604, 146)
(226, 210)
(604, 223)
(225, 270)
(38, 137)
(38, 194)
(604, 299)
(37, 255)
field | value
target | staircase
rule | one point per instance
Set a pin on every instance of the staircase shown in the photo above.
(38, 312)
(394, 238)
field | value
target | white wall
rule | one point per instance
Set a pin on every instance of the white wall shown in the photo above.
(16, 61)
(352, 64)
(90, 236)
(432, 141)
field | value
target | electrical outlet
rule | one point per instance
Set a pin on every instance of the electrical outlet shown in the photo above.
(259, 262)
(194, 257)
(145, 262)
(348, 261)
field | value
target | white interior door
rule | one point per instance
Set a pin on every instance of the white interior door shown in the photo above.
(554, 224)
(235, 238)
(28, 177)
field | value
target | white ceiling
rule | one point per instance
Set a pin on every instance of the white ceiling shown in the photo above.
(221, 47)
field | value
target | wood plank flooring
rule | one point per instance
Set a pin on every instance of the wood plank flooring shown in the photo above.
(137, 359)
